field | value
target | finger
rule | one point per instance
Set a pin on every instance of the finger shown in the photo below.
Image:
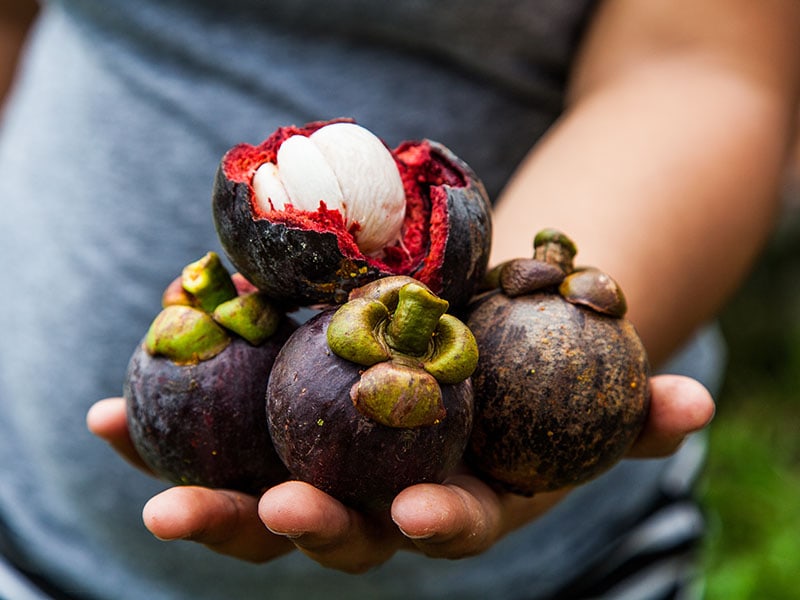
(460, 518)
(107, 420)
(326, 530)
(679, 406)
(224, 521)
(464, 516)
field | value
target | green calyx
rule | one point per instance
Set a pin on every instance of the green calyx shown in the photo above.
(251, 316)
(354, 333)
(415, 319)
(202, 309)
(400, 330)
(186, 335)
(455, 352)
(400, 396)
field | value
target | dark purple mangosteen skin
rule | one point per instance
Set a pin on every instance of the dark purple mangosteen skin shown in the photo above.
(561, 392)
(204, 424)
(326, 442)
(308, 268)
(469, 234)
(299, 266)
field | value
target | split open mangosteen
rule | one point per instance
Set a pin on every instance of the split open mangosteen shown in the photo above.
(561, 386)
(374, 396)
(316, 211)
(195, 385)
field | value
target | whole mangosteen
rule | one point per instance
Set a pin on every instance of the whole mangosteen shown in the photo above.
(316, 211)
(195, 386)
(374, 396)
(561, 386)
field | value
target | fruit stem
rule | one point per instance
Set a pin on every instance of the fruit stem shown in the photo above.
(552, 246)
(415, 320)
(208, 281)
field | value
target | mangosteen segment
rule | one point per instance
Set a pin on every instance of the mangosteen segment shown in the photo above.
(333, 176)
(434, 225)
(411, 348)
(347, 168)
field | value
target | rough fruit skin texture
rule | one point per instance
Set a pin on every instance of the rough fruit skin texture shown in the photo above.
(203, 424)
(306, 258)
(325, 441)
(561, 391)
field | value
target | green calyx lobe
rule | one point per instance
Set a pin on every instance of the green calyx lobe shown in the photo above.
(251, 316)
(186, 335)
(400, 330)
(202, 309)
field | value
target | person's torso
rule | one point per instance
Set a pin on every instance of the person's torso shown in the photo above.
(107, 153)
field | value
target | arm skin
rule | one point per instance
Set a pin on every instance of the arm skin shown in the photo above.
(665, 170)
(667, 166)
(16, 17)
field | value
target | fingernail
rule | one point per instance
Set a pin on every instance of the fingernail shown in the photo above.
(411, 536)
(170, 539)
(292, 535)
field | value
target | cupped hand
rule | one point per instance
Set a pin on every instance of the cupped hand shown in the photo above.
(462, 516)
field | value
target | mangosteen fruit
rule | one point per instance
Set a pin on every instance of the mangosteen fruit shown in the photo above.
(195, 385)
(561, 385)
(371, 397)
(316, 211)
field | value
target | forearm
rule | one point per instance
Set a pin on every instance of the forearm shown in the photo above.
(675, 214)
(16, 17)
(667, 177)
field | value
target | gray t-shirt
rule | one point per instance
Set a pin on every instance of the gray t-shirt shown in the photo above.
(107, 153)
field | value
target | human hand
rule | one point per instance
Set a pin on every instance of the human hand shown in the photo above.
(461, 517)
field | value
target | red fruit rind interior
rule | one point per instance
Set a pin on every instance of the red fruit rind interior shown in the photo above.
(423, 172)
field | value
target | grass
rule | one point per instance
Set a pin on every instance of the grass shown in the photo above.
(751, 487)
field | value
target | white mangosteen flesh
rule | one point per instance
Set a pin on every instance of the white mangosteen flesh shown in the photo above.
(346, 167)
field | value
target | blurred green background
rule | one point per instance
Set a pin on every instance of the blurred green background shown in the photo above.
(751, 487)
